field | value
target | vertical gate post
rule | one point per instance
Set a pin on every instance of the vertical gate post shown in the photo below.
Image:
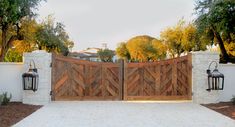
(124, 87)
(189, 68)
(121, 78)
(53, 59)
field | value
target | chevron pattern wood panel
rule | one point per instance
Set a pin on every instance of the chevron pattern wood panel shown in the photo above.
(163, 80)
(74, 79)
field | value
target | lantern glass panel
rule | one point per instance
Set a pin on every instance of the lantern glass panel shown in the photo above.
(35, 83)
(28, 83)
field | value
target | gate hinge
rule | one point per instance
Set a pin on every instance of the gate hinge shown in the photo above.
(51, 64)
(51, 92)
(192, 93)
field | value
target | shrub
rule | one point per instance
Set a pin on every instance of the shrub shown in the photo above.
(233, 99)
(4, 99)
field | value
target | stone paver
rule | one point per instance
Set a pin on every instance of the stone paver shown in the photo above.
(124, 114)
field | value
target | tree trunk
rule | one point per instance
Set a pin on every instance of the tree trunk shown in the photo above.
(224, 53)
(4, 41)
(6, 44)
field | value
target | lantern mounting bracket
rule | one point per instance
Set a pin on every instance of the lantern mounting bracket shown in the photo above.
(34, 66)
(208, 71)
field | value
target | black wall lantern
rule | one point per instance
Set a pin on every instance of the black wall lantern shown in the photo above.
(30, 78)
(215, 78)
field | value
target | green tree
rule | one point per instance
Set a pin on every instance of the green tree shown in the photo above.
(11, 14)
(28, 44)
(52, 37)
(30, 29)
(216, 23)
(106, 55)
(13, 56)
(122, 51)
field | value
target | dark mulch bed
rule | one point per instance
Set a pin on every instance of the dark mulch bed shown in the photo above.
(225, 108)
(14, 112)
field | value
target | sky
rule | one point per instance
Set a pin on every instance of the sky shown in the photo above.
(90, 23)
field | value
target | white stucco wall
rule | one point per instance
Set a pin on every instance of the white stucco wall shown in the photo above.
(11, 80)
(43, 61)
(200, 63)
(229, 84)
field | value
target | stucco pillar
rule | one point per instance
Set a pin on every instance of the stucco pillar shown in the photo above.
(200, 63)
(43, 61)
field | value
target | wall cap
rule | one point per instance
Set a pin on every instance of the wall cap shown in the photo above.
(205, 52)
(36, 53)
(39, 51)
(228, 64)
(11, 63)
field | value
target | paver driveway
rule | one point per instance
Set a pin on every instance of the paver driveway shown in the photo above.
(124, 114)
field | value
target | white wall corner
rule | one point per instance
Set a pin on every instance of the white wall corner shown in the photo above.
(43, 61)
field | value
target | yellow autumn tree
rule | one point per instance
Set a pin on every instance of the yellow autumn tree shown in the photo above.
(182, 38)
(144, 48)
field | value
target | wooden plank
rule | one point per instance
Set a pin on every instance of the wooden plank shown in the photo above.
(61, 81)
(112, 73)
(77, 69)
(70, 76)
(189, 67)
(125, 78)
(131, 82)
(184, 72)
(85, 98)
(111, 91)
(53, 77)
(79, 83)
(86, 80)
(152, 73)
(97, 90)
(141, 73)
(76, 61)
(158, 80)
(103, 81)
(174, 77)
(121, 79)
(158, 98)
(114, 83)
(132, 71)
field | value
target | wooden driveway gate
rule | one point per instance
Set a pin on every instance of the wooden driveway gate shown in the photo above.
(74, 79)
